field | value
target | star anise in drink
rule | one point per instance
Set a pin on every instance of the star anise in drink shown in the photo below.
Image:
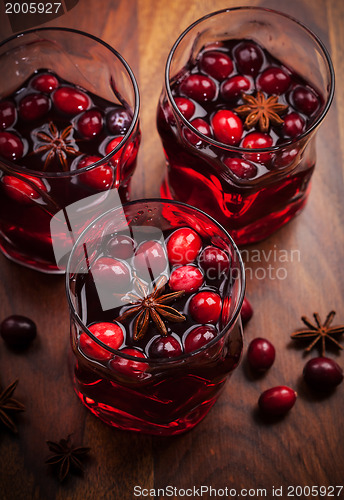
(66, 456)
(319, 332)
(8, 405)
(151, 305)
(261, 110)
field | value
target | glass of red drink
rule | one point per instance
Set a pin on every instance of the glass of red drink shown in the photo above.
(245, 92)
(155, 290)
(68, 131)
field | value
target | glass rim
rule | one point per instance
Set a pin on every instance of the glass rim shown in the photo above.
(184, 356)
(239, 149)
(23, 170)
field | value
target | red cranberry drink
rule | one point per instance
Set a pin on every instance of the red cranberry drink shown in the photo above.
(64, 136)
(238, 117)
(155, 291)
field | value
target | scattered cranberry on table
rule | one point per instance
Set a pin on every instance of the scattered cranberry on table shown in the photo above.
(277, 401)
(18, 331)
(322, 374)
(260, 354)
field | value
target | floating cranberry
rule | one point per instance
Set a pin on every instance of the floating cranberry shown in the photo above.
(129, 367)
(216, 64)
(165, 347)
(249, 58)
(232, 88)
(34, 106)
(8, 114)
(45, 83)
(111, 274)
(187, 278)
(260, 354)
(118, 121)
(198, 87)
(70, 100)
(322, 374)
(110, 334)
(246, 311)
(305, 100)
(99, 178)
(274, 81)
(198, 337)
(90, 123)
(21, 191)
(11, 147)
(205, 307)
(285, 158)
(293, 125)
(214, 262)
(227, 127)
(241, 168)
(202, 127)
(150, 259)
(126, 154)
(18, 331)
(183, 246)
(185, 106)
(257, 140)
(121, 247)
(277, 401)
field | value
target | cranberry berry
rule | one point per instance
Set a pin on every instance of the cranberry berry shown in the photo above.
(11, 146)
(205, 307)
(21, 191)
(241, 168)
(277, 401)
(185, 106)
(227, 127)
(45, 83)
(232, 88)
(216, 64)
(118, 121)
(202, 127)
(260, 354)
(90, 123)
(293, 125)
(121, 247)
(70, 100)
(305, 100)
(183, 246)
(8, 114)
(129, 367)
(274, 81)
(257, 140)
(198, 337)
(165, 347)
(249, 58)
(246, 311)
(187, 278)
(111, 274)
(214, 262)
(150, 259)
(322, 374)
(34, 106)
(18, 331)
(198, 87)
(99, 178)
(110, 334)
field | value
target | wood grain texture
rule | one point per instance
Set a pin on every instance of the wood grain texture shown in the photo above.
(232, 447)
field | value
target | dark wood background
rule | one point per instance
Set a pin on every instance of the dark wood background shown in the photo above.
(232, 447)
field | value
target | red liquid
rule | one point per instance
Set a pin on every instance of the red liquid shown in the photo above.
(251, 202)
(83, 125)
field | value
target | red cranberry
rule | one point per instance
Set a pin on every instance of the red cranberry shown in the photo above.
(126, 154)
(198, 337)
(21, 191)
(249, 58)
(257, 140)
(274, 81)
(34, 106)
(118, 121)
(232, 88)
(165, 347)
(293, 125)
(260, 354)
(305, 100)
(277, 401)
(246, 311)
(11, 147)
(8, 114)
(216, 64)
(150, 259)
(129, 367)
(90, 123)
(214, 262)
(110, 334)
(322, 374)
(205, 307)
(121, 247)
(198, 87)
(185, 106)
(70, 100)
(45, 83)
(285, 158)
(202, 127)
(183, 246)
(18, 331)
(111, 274)
(227, 127)
(241, 168)
(187, 278)
(99, 178)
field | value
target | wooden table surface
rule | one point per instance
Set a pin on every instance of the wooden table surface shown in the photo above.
(232, 447)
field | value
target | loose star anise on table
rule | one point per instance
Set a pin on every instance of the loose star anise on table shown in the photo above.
(319, 332)
(57, 144)
(9, 405)
(261, 110)
(153, 305)
(66, 456)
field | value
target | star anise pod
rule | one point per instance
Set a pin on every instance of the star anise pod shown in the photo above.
(319, 332)
(151, 305)
(57, 145)
(261, 109)
(66, 456)
(9, 405)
